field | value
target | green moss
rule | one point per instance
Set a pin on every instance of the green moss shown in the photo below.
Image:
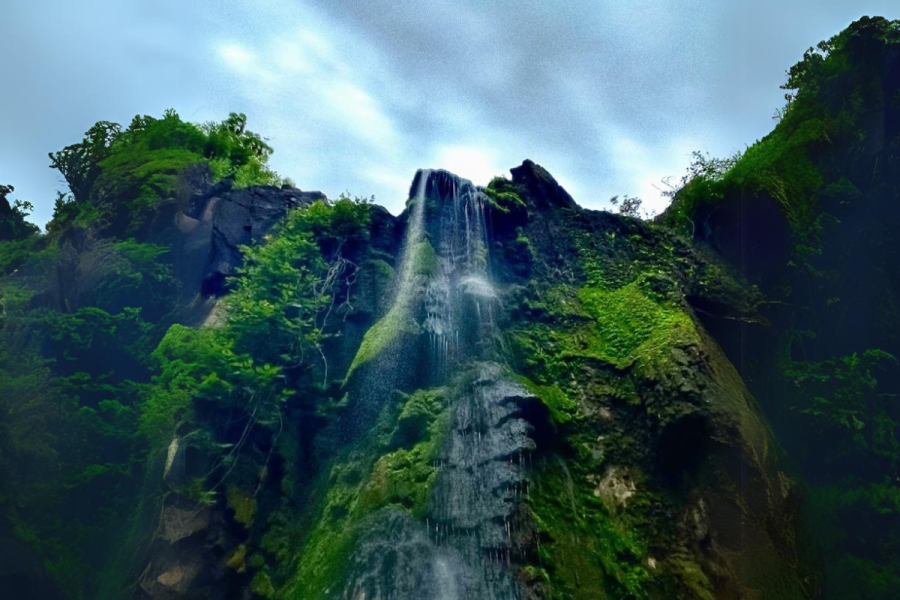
(382, 334)
(399, 319)
(690, 577)
(586, 553)
(366, 482)
(633, 325)
(403, 478)
(418, 413)
(502, 194)
(426, 262)
(261, 585)
(562, 408)
(243, 505)
(238, 559)
(630, 326)
(524, 251)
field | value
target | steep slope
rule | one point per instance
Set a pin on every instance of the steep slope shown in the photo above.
(809, 214)
(564, 427)
(217, 389)
(496, 395)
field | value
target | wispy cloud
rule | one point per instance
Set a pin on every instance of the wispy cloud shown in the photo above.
(354, 96)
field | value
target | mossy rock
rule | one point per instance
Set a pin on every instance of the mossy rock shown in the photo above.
(243, 506)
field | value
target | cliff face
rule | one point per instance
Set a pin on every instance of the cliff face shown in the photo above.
(808, 215)
(223, 391)
(529, 407)
(578, 432)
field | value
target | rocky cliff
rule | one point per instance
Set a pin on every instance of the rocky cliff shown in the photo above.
(225, 389)
(533, 409)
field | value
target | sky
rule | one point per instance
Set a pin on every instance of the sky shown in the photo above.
(610, 96)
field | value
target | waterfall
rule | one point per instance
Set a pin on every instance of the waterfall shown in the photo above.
(414, 232)
(443, 307)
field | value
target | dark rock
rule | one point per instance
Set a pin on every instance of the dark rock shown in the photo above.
(542, 188)
(187, 556)
(207, 252)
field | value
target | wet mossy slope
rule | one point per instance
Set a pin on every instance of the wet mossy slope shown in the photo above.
(216, 385)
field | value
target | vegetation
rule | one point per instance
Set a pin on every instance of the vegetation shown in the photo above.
(13, 225)
(501, 195)
(393, 467)
(118, 177)
(630, 206)
(398, 320)
(787, 165)
(276, 425)
(831, 394)
(94, 389)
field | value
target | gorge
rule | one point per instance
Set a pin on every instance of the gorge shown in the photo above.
(217, 385)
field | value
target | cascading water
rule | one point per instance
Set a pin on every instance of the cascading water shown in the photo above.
(465, 547)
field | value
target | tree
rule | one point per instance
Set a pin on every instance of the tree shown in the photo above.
(80, 163)
(235, 151)
(630, 206)
(13, 225)
(702, 165)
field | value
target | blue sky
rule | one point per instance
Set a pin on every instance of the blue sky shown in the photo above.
(355, 95)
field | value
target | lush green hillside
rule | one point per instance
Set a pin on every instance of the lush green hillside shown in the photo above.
(81, 310)
(809, 213)
(214, 385)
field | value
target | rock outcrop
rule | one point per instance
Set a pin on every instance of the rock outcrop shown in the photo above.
(220, 220)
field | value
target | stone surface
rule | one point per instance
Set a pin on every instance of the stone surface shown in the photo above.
(219, 222)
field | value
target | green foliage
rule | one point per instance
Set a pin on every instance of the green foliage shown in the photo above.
(828, 91)
(135, 179)
(14, 253)
(86, 404)
(279, 310)
(502, 194)
(13, 225)
(91, 340)
(79, 163)
(83, 418)
(133, 275)
(234, 151)
(855, 521)
(840, 400)
(187, 362)
(67, 444)
(122, 176)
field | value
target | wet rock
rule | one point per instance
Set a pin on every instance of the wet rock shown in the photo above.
(483, 477)
(211, 229)
(396, 560)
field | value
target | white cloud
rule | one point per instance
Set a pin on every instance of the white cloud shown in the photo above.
(478, 164)
(638, 169)
(354, 96)
(238, 58)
